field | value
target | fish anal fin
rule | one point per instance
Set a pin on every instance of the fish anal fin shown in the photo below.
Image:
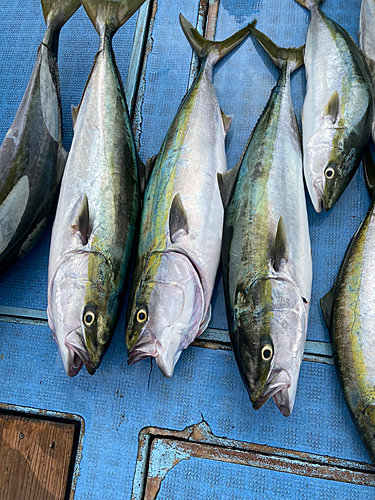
(281, 245)
(227, 120)
(326, 303)
(331, 110)
(178, 223)
(81, 225)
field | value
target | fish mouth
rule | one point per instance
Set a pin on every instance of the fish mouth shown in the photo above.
(76, 344)
(148, 346)
(279, 381)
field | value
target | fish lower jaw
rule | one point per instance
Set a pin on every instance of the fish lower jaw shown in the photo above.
(80, 358)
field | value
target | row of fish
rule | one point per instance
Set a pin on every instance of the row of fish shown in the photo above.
(266, 253)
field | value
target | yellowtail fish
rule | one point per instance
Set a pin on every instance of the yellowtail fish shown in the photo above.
(182, 219)
(93, 232)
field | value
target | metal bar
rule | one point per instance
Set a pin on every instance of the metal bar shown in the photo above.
(138, 103)
(136, 59)
(213, 10)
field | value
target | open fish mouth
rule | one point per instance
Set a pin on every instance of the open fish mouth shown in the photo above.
(278, 381)
(75, 342)
(147, 346)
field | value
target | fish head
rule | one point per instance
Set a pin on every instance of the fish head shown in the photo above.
(269, 341)
(330, 163)
(80, 310)
(167, 310)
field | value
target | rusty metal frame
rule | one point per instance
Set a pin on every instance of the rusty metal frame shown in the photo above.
(160, 450)
(6, 408)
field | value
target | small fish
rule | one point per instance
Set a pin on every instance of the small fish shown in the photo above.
(266, 257)
(338, 108)
(93, 232)
(182, 220)
(348, 310)
(32, 157)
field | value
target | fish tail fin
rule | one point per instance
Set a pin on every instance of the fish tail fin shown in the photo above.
(207, 48)
(57, 12)
(108, 16)
(308, 4)
(292, 56)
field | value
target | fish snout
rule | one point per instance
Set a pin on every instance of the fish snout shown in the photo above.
(317, 194)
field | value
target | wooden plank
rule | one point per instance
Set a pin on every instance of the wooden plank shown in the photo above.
(35, 458)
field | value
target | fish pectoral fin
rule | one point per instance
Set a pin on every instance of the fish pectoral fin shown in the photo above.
(227, 120)
(227, 181)
(177, 219)
(326, 303)
(144, 171)
(331, 110)
(281, 245)
(81, 224)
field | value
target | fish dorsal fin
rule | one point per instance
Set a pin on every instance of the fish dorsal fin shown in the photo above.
(332, 108)
(281, 245)
(177, 219)
(227, 120)
(81, 224)
(227, 181)
(326, 303)
(144, 171)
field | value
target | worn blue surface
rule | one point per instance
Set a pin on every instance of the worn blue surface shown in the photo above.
(212, 480)
(118, 401)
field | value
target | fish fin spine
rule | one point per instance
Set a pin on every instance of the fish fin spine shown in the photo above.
(281, 245)
(145, 171)
(108, 16)
(178, 223)
(81, 225)
(292, 56)
(207, 49)
(227, 181)
(227, 120)
(332, 108)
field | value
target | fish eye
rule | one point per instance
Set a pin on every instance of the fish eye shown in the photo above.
(141, 315)
(329, 173)
(267, 352)
(89, 318)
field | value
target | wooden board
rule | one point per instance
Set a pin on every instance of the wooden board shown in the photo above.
(35, 458)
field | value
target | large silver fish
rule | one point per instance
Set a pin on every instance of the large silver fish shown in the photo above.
(95, 221)
(32, 157)
(182, 219)
(349, 311)
(267, 266)
(338, 108)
